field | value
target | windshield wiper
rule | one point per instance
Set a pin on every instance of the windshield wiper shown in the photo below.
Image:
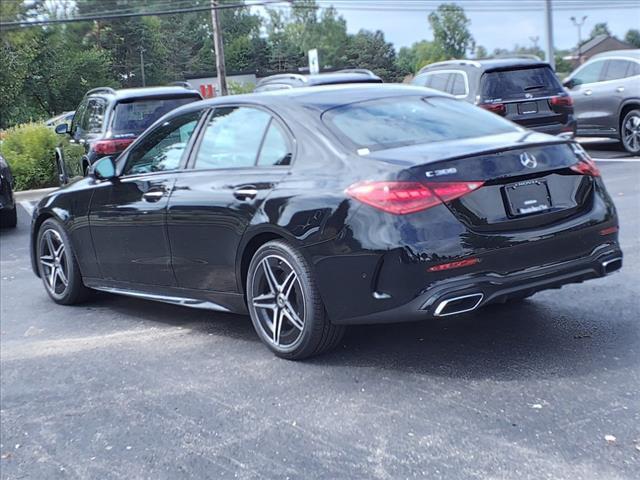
(533, 87)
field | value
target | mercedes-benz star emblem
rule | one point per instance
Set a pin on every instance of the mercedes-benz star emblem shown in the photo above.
(528, 160)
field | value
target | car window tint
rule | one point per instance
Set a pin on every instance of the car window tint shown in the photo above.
(232, 138)
(438, 81)
(634, 69)
(400, 121)
(163, 147)
(616, 69)
(136, 116)
(275, 148)
(589, 74)
(94, 115)
(76, 124)
(456, 85)
(420, 80)
(519, 84)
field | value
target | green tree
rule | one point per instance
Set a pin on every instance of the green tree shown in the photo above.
(411, 59)
(633, 37)
(370, 50)
(450, 28)
(600, 29)
(480, 52)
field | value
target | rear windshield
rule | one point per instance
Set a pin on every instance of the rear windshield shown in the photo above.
(134, 117)
(516, 84)
(400, 121)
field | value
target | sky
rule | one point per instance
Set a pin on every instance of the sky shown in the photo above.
(496, 29)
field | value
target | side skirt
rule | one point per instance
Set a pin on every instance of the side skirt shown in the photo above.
(208, 300)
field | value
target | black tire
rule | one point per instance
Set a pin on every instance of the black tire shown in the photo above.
(74, 291)
(9, 217)
(314, 332)
(630, 132)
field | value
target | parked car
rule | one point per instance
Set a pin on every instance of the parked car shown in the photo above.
(523, 90)
(8, 213)
(315, 208)
(294, 80)
(606, 97)
(108, 120)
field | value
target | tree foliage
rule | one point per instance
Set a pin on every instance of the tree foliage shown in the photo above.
(600, 29)
(633, 37)
(450, 28)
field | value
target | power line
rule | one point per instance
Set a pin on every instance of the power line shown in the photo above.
(122, 14)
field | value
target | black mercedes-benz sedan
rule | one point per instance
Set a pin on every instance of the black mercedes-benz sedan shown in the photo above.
(311, 209)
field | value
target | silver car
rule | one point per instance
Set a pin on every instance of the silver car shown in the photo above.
(606, 97)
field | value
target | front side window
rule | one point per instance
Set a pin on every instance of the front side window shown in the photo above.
(590, 73)
(76, 123)
(421, 80)
(401, 121)
(240, 137)
(162, 149)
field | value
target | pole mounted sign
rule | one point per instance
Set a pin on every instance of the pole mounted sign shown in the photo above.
(314, 65)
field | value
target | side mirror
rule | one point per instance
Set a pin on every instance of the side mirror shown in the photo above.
(104, 169)
(62, 128)
(570, 83)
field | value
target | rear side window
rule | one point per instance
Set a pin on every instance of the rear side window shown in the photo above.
(519, 84)
(617, 69)
(457, 84)
(241, 137)
(136, 116)
(400, 121)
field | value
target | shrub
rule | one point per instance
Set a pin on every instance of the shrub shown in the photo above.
(30, 151)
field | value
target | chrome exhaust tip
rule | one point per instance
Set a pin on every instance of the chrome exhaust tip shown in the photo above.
(456, 305)
(611, 265)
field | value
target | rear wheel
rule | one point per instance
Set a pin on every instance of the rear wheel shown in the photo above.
(9, 218)
(630, 131)
(285, 305)
(57, 265)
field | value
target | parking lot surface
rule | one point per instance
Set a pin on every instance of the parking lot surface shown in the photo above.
(124, 388)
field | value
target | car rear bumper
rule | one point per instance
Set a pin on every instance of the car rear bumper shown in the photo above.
(469, 292)
(562, 129)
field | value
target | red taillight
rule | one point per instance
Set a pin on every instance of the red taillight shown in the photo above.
(561, 101)
(110, 147)
(609, 231)
(498, 108)
(460, 263)
(401, 198)
(586, 166)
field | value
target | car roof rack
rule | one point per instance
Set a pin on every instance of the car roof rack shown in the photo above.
(282, 76)
(101, 90)
(473, 63)
(362, 71)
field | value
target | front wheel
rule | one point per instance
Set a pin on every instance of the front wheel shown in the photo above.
(630, 132)
(58, 266)
(285, 305)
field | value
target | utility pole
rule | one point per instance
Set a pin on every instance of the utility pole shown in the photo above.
(219, 48)
(551, 58)
(142, 50)
(579, 25)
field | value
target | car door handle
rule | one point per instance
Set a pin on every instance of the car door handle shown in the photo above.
(588, 92)
(245, 193)
(620, 89)
(153, 195)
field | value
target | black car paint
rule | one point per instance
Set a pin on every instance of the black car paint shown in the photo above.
(7, 182)
(370, 266)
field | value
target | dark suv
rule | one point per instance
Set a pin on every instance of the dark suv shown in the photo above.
(108, 120)
(524, 90)
(294, 80)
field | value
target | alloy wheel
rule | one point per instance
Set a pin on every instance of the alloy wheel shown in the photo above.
(631, 133)
(53, 262)
(278, 300)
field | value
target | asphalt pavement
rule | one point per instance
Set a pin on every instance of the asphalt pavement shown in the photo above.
(125, 388)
